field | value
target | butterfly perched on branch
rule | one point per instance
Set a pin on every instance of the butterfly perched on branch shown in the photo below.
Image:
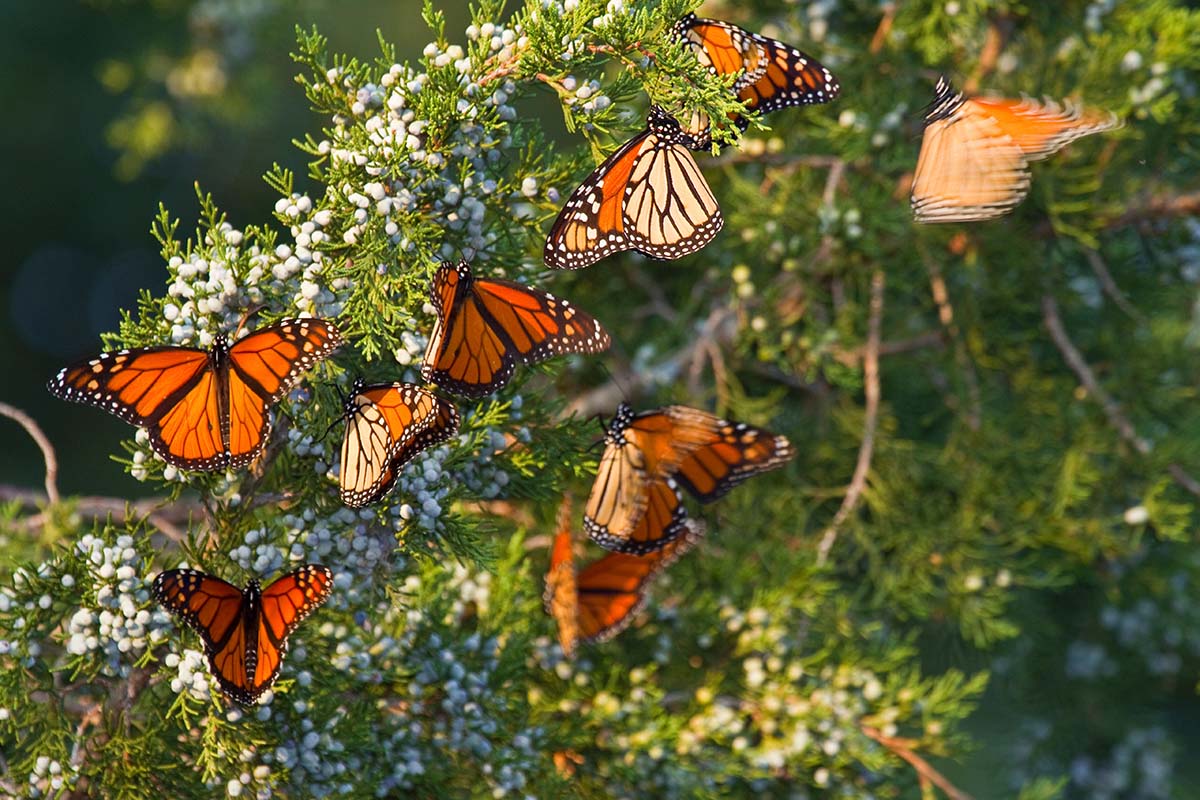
(485, 327)
(648, 196)
(244, 631)
(203, 409)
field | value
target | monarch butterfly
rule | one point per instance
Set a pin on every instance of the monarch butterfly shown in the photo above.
(773, 75)
(648, 196)
(601, 600)
(485, 327)
(634, 505)
(244, 631)
(387, 425)
(203, 409)
(975, 152)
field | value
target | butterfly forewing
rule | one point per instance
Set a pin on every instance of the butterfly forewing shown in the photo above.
(740, 451)
(486, 327)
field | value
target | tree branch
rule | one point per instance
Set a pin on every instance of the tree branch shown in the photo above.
(926, 774)
(871, 419)
(43, 442)
(162, 514)
(1112, 409)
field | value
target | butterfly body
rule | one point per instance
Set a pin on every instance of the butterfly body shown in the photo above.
(976, 151)
(648, 196)
(388, 425)
(203, 409)
(485, 327)
(244, 631)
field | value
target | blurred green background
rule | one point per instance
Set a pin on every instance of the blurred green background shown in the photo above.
(117, 105)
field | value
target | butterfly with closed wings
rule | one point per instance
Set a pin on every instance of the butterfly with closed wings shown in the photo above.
(975, 152)
(648, 196)
(204, 409)
(485, 327)
(387, 425)
(244, 631)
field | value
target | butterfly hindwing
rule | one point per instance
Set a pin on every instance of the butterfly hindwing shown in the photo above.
(387, 425)
(648, 196)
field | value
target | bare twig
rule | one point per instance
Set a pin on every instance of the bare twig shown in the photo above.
(162, 514)
(884, 28)
(852, 358)
(39, 436)
(926, 774)
(716, 332)
(941, 298)
(1110, 286)
(871, 419)
(1112, 409)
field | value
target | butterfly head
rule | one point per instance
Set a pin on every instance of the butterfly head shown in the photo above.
(945, 102)
(615, 432)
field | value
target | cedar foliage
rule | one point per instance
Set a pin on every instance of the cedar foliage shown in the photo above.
(1006, 607)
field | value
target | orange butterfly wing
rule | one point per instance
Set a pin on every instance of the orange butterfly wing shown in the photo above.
(1040, 130)
(612, 589)
(387, 425)
(486, 327)
(560, 597)
(216, 610)
(741, 451)
(648, 196)
(284, 603)
(170, 391)
(263, 368)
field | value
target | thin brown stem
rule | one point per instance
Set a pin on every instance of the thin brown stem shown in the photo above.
(941, 299)
(1112, 409)
(43, 442)
(926, 774)
(858, 481)
(1096, 261)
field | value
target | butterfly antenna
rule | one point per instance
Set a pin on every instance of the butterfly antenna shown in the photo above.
(246, 315)
(339, 417)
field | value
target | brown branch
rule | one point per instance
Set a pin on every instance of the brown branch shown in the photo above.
(1162, 206)
(884, 28)
(1110, 285)
(43, 442)
(941, 299)
(926, 774)
(871, 419)
(162, 514)
(1112, 409)
(853, 357)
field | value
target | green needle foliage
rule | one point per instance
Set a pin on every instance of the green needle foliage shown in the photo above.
(977, 575)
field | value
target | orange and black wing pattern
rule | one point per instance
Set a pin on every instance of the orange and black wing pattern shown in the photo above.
(486, 327)
(975, 152)
(170, 391)
(560, 598)
(263, 367)
(641, 451)
(217, 611)
(244, 632)
(772, 75)
(612, 589)
(649, 196)
(203, 409)
(740, 451)
(387, 425)
(283, 604)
